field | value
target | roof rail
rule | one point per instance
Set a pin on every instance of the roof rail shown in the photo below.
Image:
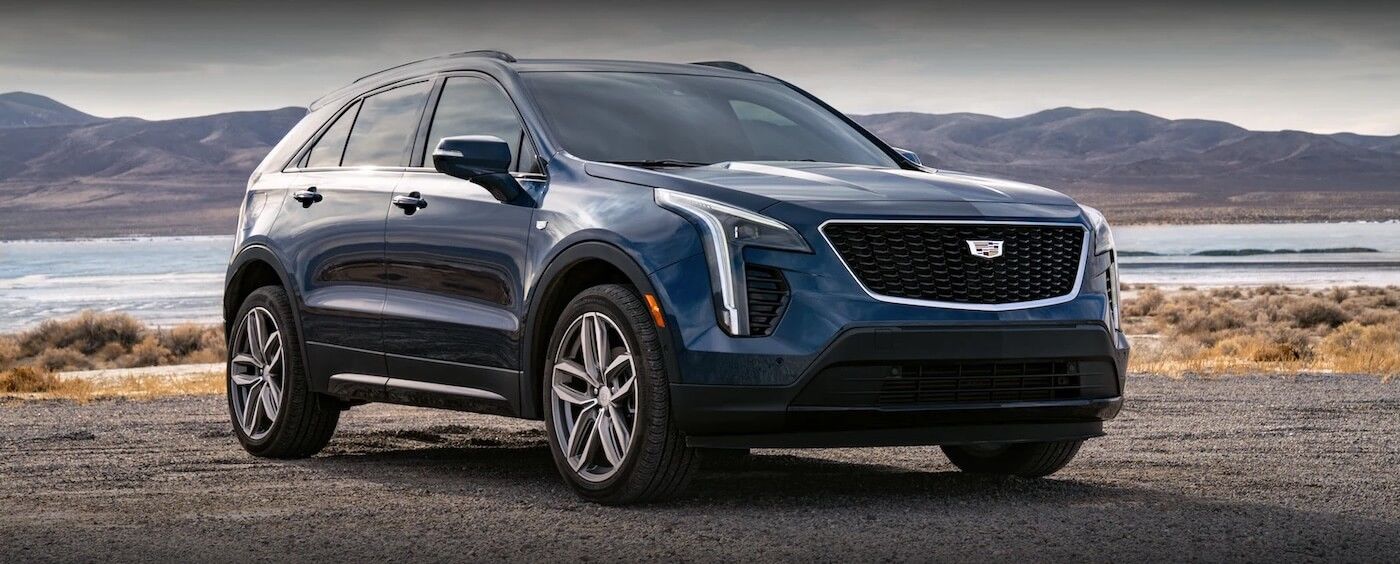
(727, 65)
(492, 53)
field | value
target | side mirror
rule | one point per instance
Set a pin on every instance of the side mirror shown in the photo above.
(480, 159)
(908, 155)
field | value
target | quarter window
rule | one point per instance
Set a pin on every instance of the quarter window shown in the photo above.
(472, 106)
(383, 132)
(331, 147)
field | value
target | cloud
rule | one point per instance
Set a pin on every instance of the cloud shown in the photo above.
(1264, 65)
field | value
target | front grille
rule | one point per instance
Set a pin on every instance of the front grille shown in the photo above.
(767, 297)
(933, 261)
(980, 383)
(941, 383)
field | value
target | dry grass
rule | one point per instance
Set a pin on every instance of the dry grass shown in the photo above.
(1264, 329)
(29, 383)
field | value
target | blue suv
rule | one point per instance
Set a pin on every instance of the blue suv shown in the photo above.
(663, 262)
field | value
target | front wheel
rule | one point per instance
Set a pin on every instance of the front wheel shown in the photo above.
(607, 401)
(275, 413)
(1028, 460)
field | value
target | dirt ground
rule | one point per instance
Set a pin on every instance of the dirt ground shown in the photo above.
(1257, 468)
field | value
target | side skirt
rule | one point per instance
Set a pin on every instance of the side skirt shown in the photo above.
(361, 387)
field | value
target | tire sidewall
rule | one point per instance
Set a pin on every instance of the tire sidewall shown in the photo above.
(640, 340)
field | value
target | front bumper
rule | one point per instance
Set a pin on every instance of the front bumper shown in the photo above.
(919, 385)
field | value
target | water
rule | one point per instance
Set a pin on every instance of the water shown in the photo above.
(1178, 265)
(168, 280)
(162, 280)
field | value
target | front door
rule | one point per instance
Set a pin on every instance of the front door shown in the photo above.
(455, 267)
(333, 222)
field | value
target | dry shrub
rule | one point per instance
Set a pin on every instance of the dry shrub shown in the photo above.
(182, 339)
(26, 380)
(1199, 316)
(1265, 329)
(110, 352)
(148, 352)
(87, 333)
(1262, 348)
(1311, 312)
(1144, 303)
(109, 340)
(1365, 349)
(9, 351)
(57, 360)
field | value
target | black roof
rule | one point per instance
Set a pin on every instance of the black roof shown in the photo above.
(478, 60)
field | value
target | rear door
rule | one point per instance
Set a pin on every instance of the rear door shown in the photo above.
(456, 267)
(334, 226)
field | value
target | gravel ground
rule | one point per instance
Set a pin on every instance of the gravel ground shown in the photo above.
(1259, 468)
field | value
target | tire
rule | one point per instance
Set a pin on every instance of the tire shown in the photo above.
(1027, 460)
(655, 463)
(303, 421)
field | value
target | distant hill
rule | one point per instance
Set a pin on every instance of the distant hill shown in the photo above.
(65, 173)
(1091, 146)
(22, 109)
(1147, 168)
(132, 176)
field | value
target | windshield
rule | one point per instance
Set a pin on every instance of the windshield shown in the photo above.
(679, 120)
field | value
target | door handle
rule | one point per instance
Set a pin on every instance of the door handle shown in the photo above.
(411, 203)
(307, 197)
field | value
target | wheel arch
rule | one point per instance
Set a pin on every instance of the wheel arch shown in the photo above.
(573, 270)
(252, 268)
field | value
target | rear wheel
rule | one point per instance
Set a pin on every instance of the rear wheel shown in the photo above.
(1028, 460)
(275, 414)
(607, 402)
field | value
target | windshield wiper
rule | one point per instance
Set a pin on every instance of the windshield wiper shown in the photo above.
(658, 163)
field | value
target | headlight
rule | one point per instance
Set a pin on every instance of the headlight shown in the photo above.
(727, 230)
(1103, 236)
(1103, 246)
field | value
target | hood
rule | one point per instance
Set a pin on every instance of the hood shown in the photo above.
(827, 182)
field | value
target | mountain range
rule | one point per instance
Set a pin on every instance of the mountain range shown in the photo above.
(65, 173)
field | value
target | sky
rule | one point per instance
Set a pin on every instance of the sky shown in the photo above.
(1322, 67)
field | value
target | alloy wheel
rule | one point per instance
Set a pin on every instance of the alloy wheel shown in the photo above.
(593, 394)
(257, 373)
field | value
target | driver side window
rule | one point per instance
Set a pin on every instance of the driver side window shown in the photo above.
(474, 106)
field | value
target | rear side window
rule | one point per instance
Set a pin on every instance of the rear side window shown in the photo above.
(472, 106)
(384, 129)
(331, 147)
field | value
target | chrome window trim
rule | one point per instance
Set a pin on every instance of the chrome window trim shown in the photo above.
(1073, 293)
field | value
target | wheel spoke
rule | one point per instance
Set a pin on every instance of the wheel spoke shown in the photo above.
(255, 336)
(251, 407)
(243, 359)
(272, 350)
(239, 367)
(619, 427)
(618, 363)
(569, 368)
(572, 396)
(607, 440)
(601, 349)
(625, 388)
(245, 379)
(268, 400)
(586, 336)
(582, 438)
